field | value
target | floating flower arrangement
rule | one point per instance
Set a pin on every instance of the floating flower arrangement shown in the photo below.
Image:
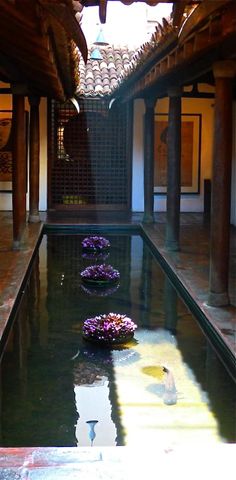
(95, 244)
(100, 292)
(100, 275)
(109, 329)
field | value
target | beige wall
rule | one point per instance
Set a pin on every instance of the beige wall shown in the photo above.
(204, 107)
(6, 198)
(191, 203)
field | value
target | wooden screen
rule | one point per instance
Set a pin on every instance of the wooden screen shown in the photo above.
(89, 157)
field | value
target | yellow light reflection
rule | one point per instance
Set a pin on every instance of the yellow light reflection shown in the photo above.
(142, 387)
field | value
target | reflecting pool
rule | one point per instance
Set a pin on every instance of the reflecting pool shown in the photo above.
(166, 387)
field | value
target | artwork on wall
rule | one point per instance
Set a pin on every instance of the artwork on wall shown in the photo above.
(190, 153)
(5, 150)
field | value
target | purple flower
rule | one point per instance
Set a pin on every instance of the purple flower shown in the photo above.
(108, 327)
(100, 272)
(96, 255)
(95, 243)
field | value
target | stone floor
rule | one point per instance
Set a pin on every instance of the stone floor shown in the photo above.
(190, 268)
(117, 463)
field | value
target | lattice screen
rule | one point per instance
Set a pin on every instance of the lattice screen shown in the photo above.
(90, 158)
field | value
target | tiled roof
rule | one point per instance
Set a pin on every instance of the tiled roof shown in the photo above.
(162, 34)
(100, 77)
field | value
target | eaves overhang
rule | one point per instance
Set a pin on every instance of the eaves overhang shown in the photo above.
(206, 37)
(38, 47)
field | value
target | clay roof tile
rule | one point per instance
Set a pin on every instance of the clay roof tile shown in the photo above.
(97, 78)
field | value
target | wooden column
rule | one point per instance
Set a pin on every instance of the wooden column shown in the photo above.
(221, 184)
(34, 160)
(173, 170)
(19, 170)
(149, 160)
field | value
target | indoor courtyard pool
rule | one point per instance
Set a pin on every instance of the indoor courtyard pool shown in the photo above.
(164, 387)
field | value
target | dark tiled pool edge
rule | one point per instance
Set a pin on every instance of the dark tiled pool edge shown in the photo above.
(8, 309)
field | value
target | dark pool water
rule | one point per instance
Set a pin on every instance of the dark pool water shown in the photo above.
(59, 390)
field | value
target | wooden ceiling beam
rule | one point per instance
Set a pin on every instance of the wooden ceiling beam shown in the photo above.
(37, 45)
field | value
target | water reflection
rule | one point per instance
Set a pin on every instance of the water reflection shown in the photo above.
(166, 386)
(92, 434)
(170, 305)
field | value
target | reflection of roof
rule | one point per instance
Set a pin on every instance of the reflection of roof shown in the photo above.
(99, 77)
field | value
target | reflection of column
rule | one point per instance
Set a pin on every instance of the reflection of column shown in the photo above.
(34, 286)
(170, 305)
(221, 183)
(34, 160)
(221, 390)
(146, 287)
(149, 160)
(42, 301)
(115, 409)
(23, 338)
(173, 170)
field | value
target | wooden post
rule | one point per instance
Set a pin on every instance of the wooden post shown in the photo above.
(149, 160)
(34, 160)
(18, 170)
(173, 170)
(221, 184)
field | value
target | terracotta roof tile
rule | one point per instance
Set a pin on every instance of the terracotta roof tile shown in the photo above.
(98, 78)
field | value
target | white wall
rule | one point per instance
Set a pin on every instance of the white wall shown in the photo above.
(138, 157)
(6, 198)
(43, 156)
(189, 202)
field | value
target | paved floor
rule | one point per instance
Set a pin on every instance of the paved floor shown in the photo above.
(189, 267)
(117, 463)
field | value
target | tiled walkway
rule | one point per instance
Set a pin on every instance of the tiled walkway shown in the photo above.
(190, 268)
(118, 463)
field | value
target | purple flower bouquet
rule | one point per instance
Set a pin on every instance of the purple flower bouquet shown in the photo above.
(109, 329)
(100, 275)
(95, 244)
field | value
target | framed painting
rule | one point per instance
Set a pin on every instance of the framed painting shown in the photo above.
(5, 150)
(190, 153)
